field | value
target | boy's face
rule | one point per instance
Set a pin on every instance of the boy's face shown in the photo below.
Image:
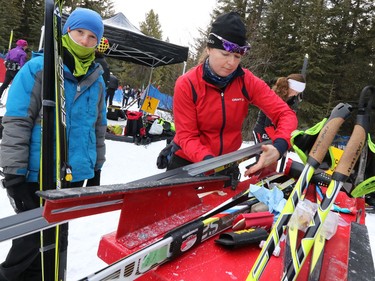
(84, 37)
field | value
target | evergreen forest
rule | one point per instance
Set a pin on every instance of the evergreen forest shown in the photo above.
(337, 35)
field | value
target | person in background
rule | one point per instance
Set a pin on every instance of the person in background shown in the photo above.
(14, 60)
(118, 94)
(99, 58)
(138, 97)
(290, 89)
(211, 102)
(126, 95)
(21, 144)
(112, 87)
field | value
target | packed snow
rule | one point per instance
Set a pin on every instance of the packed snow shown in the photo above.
(125, 162)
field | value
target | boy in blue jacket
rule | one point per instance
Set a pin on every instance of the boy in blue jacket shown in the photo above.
(86, 126)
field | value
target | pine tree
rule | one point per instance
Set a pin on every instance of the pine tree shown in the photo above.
(10, 19)
(104, 7)
(337, 35)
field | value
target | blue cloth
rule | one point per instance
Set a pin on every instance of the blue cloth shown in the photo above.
(118, 95)
(86, 19)
(273, 198)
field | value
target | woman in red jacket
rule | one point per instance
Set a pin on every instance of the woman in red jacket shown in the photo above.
(211, 102)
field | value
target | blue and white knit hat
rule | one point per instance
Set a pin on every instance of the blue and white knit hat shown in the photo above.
(86, 19)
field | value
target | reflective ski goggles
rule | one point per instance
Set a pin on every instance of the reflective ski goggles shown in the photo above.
(232, 47)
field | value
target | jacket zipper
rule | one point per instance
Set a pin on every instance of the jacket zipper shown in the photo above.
(223, 125)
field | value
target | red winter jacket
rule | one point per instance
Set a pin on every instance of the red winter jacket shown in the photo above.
(209, 121)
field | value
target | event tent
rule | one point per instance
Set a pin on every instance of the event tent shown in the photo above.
(129, 44)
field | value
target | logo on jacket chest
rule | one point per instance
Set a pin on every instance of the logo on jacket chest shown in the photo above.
(238, 99)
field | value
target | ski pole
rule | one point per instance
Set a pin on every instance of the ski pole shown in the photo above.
(344, 167)
(316, 156)
(10, 40)
(319, 244)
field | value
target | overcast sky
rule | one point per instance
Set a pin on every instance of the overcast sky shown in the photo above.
(179, 20)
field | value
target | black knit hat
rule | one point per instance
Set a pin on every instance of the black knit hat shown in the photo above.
(230, 27)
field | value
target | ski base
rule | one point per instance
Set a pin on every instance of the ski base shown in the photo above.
(361, 265)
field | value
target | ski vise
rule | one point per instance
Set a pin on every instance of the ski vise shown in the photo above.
(148, 209)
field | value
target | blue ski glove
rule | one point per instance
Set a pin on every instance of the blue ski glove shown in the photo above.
(21, 196)
(95, 181)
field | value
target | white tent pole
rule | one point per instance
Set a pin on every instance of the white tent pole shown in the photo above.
(148, 86)
(149, 81)
(41, 38)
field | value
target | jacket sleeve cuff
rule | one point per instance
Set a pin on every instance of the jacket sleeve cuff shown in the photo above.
(281, 145)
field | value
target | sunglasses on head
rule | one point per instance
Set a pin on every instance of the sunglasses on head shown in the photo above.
(232, 47)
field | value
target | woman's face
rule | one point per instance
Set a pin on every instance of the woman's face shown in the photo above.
(223, 63)
(292, 93)
(84, 37)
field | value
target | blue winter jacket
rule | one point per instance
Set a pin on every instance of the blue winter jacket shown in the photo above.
(85, 118)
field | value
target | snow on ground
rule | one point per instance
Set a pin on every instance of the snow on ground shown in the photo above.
(125, 162)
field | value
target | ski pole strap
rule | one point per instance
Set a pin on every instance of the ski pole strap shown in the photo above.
(365, 187)
(302, 141)
(367, 184)
(370, 143)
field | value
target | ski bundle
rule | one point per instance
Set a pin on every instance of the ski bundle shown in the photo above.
(53, 257)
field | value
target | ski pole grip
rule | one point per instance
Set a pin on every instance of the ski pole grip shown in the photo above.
(327, 134)
(359, 135)
(352, 151)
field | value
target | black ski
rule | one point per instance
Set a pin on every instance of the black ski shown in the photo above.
(47, 146)
(53, 256)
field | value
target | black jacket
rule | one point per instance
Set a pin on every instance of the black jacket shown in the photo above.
(113, 82)
(101, 60)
